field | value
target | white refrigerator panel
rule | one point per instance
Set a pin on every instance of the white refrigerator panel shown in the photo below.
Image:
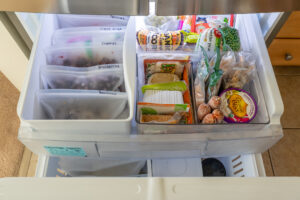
(150, 188)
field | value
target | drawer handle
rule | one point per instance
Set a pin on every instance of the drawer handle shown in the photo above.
(288, 57)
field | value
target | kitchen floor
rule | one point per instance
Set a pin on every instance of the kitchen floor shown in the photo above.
(283, 159)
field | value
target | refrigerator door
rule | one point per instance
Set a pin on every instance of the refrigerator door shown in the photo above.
(150, 188)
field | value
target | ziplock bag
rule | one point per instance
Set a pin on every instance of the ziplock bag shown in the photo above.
(102, 77)
(85, 56)
(239, 70)
(82, 104)
(68, 20)
(202, 75)
(79, 36)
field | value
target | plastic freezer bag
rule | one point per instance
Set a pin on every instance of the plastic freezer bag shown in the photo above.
(82, 104)
(102, 77)
(68, 20)
(85, 56)
(77, 36)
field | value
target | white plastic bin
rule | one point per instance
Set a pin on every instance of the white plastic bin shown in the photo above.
(28, 108)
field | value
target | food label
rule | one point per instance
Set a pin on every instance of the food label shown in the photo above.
(168, 68)
(65, 151)
(238, 106)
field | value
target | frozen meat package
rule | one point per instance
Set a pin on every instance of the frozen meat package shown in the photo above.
(87, 35)
(85, 55)
(82, 104)
(67, 20)
(103, 77)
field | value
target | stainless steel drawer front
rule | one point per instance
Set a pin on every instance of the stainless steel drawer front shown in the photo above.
(191, 7)
(103, 7)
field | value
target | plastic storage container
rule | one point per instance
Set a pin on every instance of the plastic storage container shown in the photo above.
(30, 111)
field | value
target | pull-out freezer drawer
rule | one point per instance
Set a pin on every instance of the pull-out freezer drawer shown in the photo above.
(120, 139)
(250, 165)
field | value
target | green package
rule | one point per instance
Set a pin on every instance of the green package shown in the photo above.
(172, 86)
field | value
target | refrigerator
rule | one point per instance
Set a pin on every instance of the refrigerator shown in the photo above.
(122, 158)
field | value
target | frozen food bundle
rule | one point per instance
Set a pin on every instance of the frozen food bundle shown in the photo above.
(162, 113)
(210, 113)
(231, 38)
(85, 56)
(164, 66)
(166, 97)
(238, 106)
(67, 20)
(82, 104)
(198, 23)
(87, 36)
(209, 40)
(238, 69)
(102, 77)
(150, 40)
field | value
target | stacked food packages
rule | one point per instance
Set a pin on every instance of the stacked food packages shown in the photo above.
(210, 86)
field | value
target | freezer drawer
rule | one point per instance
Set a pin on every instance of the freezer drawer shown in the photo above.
(93, 141)
(234, 166)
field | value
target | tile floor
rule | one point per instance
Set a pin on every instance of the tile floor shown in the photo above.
(283, 159)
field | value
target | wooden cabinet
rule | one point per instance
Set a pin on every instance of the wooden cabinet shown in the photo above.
(285, 48)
